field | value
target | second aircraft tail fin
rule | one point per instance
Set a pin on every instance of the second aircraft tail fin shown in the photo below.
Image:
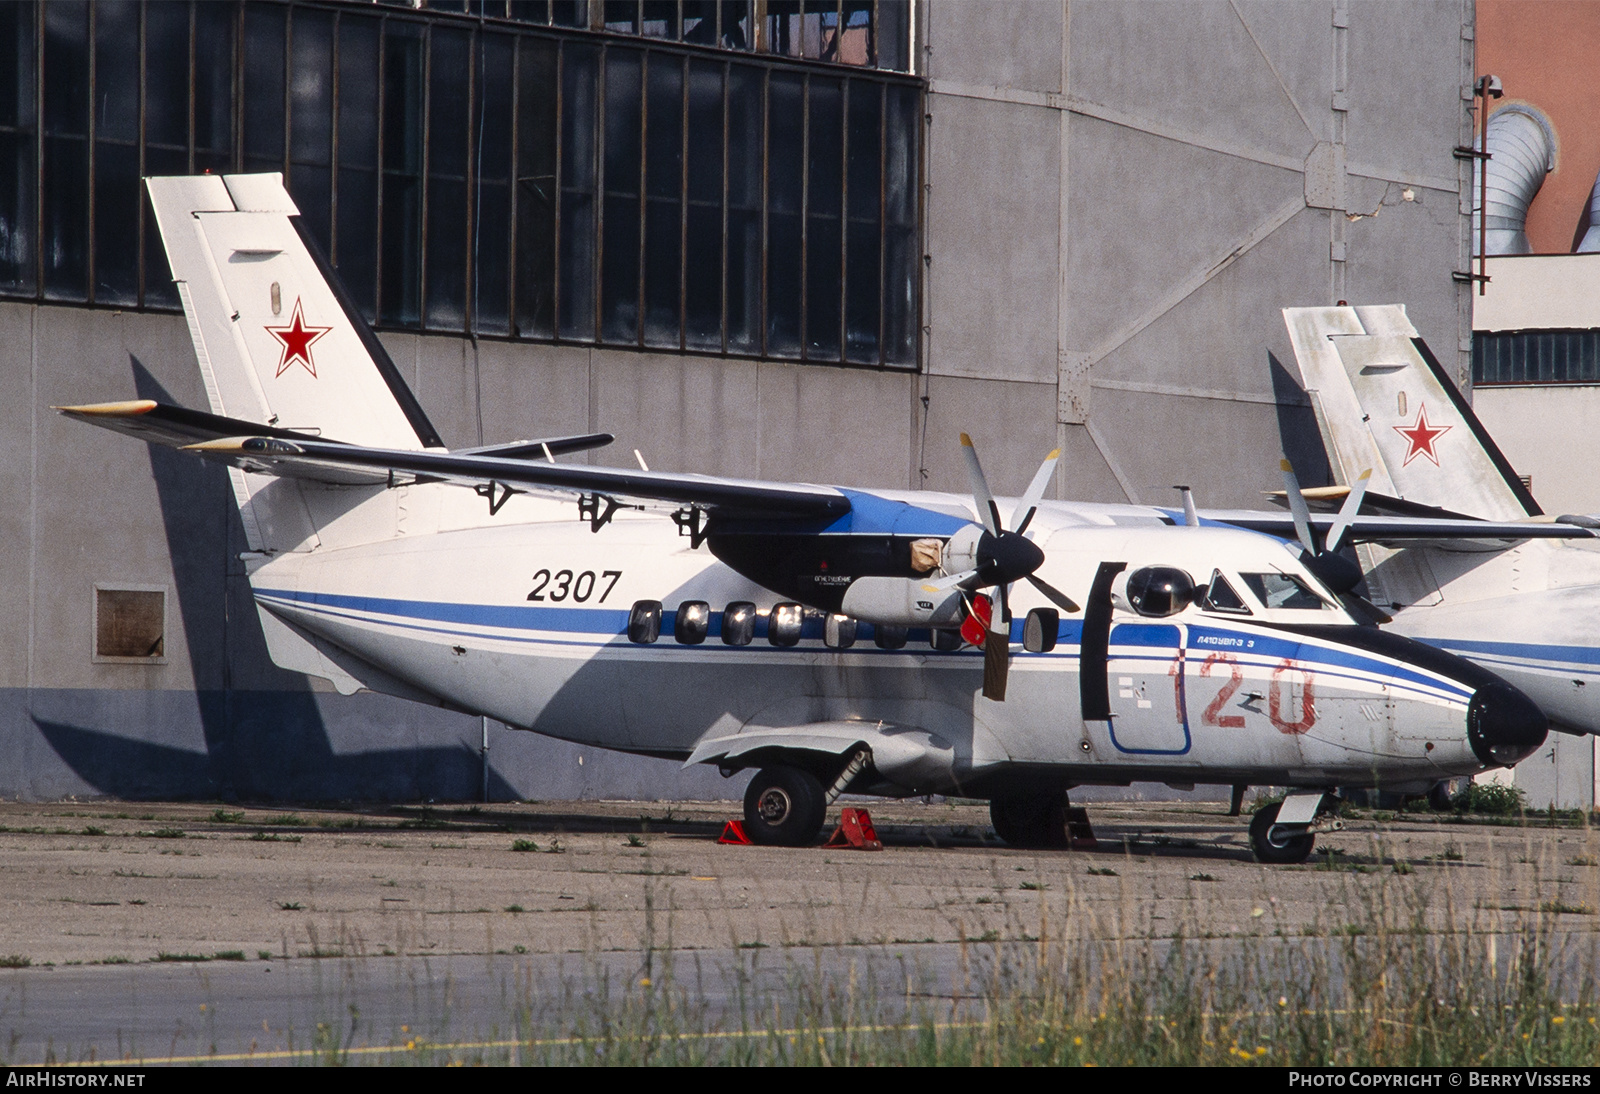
(1383, 402)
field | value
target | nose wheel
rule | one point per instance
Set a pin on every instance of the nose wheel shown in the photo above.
(784, 807)
(1279, 844)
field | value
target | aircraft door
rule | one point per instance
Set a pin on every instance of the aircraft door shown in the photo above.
(1145, 669)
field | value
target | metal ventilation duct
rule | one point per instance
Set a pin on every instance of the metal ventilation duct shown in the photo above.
(1522, 148)
(1591, 239)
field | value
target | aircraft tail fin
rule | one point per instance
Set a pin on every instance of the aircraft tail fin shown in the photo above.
(1384, 402)
(278, 340)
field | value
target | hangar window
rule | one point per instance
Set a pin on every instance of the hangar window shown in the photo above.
(130, 623)
(730, 178)
(1536, 357)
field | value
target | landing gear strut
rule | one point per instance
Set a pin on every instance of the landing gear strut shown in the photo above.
(1279, 844)
(784, 807)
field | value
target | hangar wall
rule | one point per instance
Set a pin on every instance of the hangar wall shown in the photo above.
(1118, 200)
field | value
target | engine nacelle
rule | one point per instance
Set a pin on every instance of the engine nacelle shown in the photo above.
(903, 602)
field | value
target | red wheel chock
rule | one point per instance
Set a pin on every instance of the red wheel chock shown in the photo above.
(733, 832)
(1080, 835)
(855, 830)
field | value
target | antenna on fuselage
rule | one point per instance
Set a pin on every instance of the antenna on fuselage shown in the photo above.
(1191, 519)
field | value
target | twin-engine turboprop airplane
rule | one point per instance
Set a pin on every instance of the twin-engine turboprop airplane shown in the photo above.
(1527, 607)
(883, 642)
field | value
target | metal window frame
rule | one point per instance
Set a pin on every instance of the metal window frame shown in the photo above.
(855, 80)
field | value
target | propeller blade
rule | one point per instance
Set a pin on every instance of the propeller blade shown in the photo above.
(945, 584)
(1000, 619)
(1053, 594)
(1023, 514)
(988, 512)
(996, 665)
(1348, 511)
(1191, 519)
(1297, 506)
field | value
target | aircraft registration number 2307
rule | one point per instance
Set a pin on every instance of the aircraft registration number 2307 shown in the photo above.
(580, 585)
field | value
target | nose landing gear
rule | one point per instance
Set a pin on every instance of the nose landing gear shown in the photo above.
(1284, 833)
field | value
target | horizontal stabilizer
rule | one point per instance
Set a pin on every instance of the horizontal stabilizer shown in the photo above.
(542, 448)
(174, 426)
(321, 460)
(1327, 499)
(1444, 531)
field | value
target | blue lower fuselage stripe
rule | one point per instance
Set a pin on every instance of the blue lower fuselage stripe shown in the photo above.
(543, 625)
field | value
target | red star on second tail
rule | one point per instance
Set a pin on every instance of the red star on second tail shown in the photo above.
(297, 339)
(1420, 437)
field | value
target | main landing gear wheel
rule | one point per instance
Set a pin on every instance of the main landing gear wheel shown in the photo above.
(1277, 848)
(1039, 822)
(784, 807)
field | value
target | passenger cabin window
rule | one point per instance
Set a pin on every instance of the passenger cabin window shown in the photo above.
(1220, 597)
(1160, 591)
(1283, 591)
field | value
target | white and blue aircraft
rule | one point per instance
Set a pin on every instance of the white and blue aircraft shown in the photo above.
(1526, 607)
(883, 642)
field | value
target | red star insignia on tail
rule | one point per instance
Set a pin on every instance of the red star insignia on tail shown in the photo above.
(297, 339)
(1420, 437)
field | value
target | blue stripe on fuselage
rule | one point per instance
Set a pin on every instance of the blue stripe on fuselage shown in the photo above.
(612, 622)
(1576, 655)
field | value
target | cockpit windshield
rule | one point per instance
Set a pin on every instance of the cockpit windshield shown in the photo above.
(1220, 597)
(1284, 591)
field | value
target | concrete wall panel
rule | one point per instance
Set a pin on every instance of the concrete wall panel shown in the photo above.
(1404, 255)
(1016, 44)
(1298, 41)
(682, 413)
(844, 427)
(1084, 474)
(1191, 66)
(18, 411)
(1013, 427)
(1219, 335)
(159, 515)
(1405, 85)
(994, 219)
(1219, 447)
(1149, 214)
(534, 391)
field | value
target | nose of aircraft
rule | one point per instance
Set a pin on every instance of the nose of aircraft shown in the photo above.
(1503, 725)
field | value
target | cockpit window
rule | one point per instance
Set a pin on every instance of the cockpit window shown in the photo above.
(1283, 591)
(1220, 597)
(1160, 590)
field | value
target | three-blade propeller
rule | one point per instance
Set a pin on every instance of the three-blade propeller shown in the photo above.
(1336, 572)
(1004, 557)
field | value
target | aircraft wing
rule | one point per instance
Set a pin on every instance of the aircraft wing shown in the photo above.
(307, 457)
(1394, 529)
(178, 426)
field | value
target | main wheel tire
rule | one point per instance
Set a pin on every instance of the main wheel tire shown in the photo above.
(1277, 849)
(784, 807)
(1039, 822)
